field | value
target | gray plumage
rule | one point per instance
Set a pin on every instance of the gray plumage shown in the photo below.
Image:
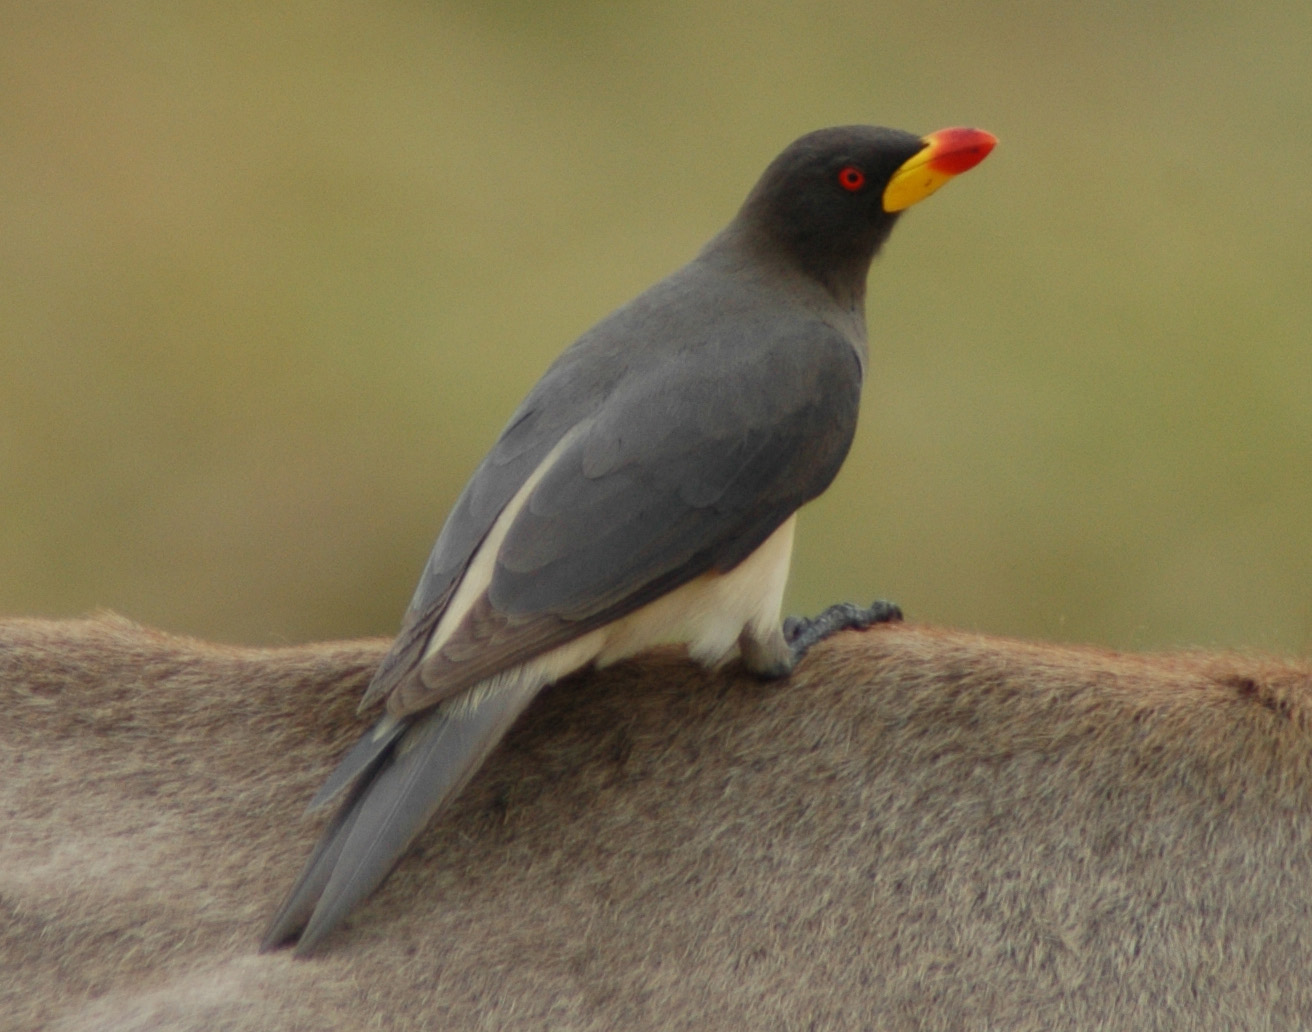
(666, 446)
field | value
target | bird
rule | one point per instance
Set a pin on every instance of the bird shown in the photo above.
(644, 492)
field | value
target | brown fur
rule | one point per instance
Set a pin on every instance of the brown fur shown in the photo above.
(921, 829)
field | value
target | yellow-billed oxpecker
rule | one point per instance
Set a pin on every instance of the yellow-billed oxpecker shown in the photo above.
(643, 493)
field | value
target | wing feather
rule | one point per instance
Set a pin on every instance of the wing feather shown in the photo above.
(664, 487)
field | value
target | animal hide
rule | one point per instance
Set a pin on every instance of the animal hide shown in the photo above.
(921, 829)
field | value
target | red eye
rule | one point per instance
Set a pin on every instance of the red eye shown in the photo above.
(851, 178)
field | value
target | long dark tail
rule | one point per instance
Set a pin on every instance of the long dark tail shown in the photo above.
(400, 775)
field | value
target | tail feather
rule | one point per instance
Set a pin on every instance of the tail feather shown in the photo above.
(294, 912)
(398, 788)
(366, 753)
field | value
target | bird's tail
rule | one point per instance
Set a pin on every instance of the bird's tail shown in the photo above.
(401, 774)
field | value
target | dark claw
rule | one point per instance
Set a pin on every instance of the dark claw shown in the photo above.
(801, 633)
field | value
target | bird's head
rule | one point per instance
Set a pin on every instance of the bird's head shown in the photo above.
(829, 200)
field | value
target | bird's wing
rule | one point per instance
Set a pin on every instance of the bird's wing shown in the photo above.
(684, 470)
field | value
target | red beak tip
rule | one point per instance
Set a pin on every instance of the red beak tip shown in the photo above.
(960, 149)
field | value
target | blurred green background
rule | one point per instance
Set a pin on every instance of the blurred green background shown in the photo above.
(274, 275)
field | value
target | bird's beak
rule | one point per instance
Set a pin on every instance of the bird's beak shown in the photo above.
(946, 153)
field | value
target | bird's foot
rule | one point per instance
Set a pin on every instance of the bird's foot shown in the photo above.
(801, 633)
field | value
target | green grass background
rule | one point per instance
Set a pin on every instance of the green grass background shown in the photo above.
(272, 277)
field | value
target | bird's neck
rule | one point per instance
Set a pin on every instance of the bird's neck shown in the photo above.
(748, 249)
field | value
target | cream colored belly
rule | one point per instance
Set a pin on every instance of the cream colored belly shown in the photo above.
(709, 613)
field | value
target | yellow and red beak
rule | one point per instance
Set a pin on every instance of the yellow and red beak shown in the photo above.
(947, 153)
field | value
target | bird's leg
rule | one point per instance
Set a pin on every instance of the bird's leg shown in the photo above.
(801, 633)
(777, 653)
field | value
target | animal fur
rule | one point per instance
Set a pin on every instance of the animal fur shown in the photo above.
(920, 829)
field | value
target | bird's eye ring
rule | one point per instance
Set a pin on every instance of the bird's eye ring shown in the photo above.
(851, 178)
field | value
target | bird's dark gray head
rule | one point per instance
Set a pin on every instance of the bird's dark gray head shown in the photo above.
(828, 202)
